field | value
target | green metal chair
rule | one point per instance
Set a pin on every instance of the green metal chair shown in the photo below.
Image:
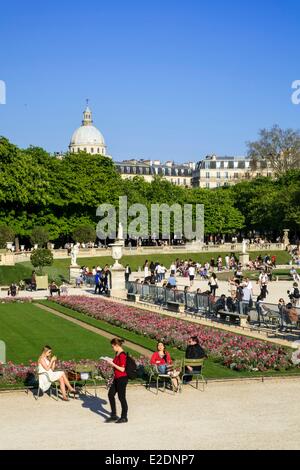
(156, 376)
(55, 384)
(92, 372)
(199, 363)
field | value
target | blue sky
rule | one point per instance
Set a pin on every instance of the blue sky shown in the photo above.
(166, 79)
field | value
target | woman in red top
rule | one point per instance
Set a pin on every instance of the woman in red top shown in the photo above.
(162, 359)
(119, 384)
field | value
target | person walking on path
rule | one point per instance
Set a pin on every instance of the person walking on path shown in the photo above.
(119, 384)
(213, 284)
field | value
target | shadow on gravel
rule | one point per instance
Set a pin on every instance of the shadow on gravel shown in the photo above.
(95, 404)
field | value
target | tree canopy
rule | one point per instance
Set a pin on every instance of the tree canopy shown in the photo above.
(60, 195)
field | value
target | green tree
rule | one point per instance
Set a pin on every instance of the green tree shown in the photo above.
(84, 234)
(6, 235)
(40, 258)
(39, 236)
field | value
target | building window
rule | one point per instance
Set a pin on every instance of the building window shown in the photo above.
(226, 175)
(207, 175)
(207, 185)
(98, 150)
(92, 150)
(218, 175)
(84, 149)
(236, 176)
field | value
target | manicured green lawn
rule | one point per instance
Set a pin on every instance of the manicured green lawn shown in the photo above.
(60, 269)
(25, 328)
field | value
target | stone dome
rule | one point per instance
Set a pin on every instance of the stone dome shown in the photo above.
(87, 135)
(87, 138)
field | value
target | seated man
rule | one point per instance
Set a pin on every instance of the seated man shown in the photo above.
(292, 314)
(54, 289)
(12, 291)
(262, 310)
(220, 304)
(171, 282)
(193, 351)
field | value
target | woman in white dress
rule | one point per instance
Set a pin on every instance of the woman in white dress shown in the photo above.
(47, 373)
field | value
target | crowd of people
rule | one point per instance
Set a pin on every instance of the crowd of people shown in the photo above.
(241, 297)
(98, 276)
(156, 272)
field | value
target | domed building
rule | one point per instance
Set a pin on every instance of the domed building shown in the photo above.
(87, 138)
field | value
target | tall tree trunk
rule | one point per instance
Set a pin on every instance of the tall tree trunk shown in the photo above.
(17, 244)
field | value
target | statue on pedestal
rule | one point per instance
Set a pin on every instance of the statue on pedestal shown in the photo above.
(74, 254)
(120, 235)
(286, 240)
(244, 251)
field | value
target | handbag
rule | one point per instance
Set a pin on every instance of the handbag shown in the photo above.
(73, 376)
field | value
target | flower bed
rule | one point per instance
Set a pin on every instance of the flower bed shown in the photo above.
(232, 350)
(19, 374)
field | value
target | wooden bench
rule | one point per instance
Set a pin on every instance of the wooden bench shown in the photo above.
(4, 288)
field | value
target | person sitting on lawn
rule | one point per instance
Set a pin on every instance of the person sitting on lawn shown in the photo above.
(193, 351)
(54, 289)
(163, 362)
(48, 374)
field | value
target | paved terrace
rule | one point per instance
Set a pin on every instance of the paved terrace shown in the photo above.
(242, 415)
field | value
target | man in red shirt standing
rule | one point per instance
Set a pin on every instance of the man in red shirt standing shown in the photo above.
(119, 384)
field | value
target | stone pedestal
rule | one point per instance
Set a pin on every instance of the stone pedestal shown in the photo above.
(74, 273)
(244, 259)
(42, 282)
(117, 279)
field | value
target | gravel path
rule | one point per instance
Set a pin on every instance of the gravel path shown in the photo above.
(143, 351)
(243, 415)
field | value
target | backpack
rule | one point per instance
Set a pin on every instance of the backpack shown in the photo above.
(131, 367)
